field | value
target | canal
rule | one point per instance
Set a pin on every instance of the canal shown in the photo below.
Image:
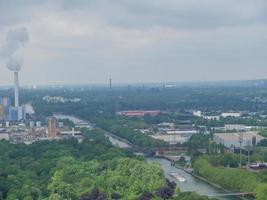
(191, 184)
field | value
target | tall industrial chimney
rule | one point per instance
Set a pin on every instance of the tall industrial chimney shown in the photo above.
(16, 88)
(110, 83)
(15, 39)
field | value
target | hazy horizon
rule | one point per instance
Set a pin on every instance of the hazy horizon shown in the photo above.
(88, 42)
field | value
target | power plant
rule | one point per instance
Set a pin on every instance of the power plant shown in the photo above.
(14, 64)
(15, 39)
(17, 112)
(13, 112)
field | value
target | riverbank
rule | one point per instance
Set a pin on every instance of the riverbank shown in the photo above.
(201, 178)
(218, 186)
(211, 183)
(234, 179)
(192, 184)
(223, 190)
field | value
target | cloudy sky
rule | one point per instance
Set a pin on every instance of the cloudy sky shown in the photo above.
(89, 41)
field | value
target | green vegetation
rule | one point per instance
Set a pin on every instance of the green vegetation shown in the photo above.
(235, 179)
(263, 133)
(208, 99)
(197, 142)
(261, 192)
(202, 143)
(119, 128)
(262, 143)
(93, 170)
(259, 154)
(67, 123)
(226, 160)
(126, 177)
(67, 169)
(229, 178)
(100, 106)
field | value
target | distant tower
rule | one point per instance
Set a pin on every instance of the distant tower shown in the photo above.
(52, 127)
(110, 83)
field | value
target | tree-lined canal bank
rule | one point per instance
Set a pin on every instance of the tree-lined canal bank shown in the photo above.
(192, 183)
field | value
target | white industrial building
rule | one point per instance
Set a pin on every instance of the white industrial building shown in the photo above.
(231, 140)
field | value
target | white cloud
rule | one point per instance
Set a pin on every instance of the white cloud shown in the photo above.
(127, 39)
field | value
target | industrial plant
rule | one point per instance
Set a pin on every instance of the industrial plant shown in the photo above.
(15, 112)
(15, 40)
(14, 126)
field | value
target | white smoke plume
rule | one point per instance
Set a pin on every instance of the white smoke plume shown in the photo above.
(14, 63)
(15, 39)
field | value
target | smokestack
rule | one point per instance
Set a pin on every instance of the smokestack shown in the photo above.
(15, 40)
(16, 88)
(110, 83)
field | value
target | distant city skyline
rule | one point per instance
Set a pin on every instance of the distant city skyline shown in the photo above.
(89, 42)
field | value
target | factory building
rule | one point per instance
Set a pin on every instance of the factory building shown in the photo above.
(10, 113)
(231, 140)
(16, 113)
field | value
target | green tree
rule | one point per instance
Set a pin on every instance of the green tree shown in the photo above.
(261, 192)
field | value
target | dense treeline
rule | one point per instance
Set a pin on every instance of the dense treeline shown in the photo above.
(235, 179)
(91, 170)
(100, 106)
(66, 169)
(94, 101)
(128, 178)
(118, 127)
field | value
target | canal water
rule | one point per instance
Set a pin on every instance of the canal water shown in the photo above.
(112, 139)
(192, 183)
(116, 142)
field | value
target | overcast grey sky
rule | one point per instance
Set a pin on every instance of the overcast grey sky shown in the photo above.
(88, 41)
